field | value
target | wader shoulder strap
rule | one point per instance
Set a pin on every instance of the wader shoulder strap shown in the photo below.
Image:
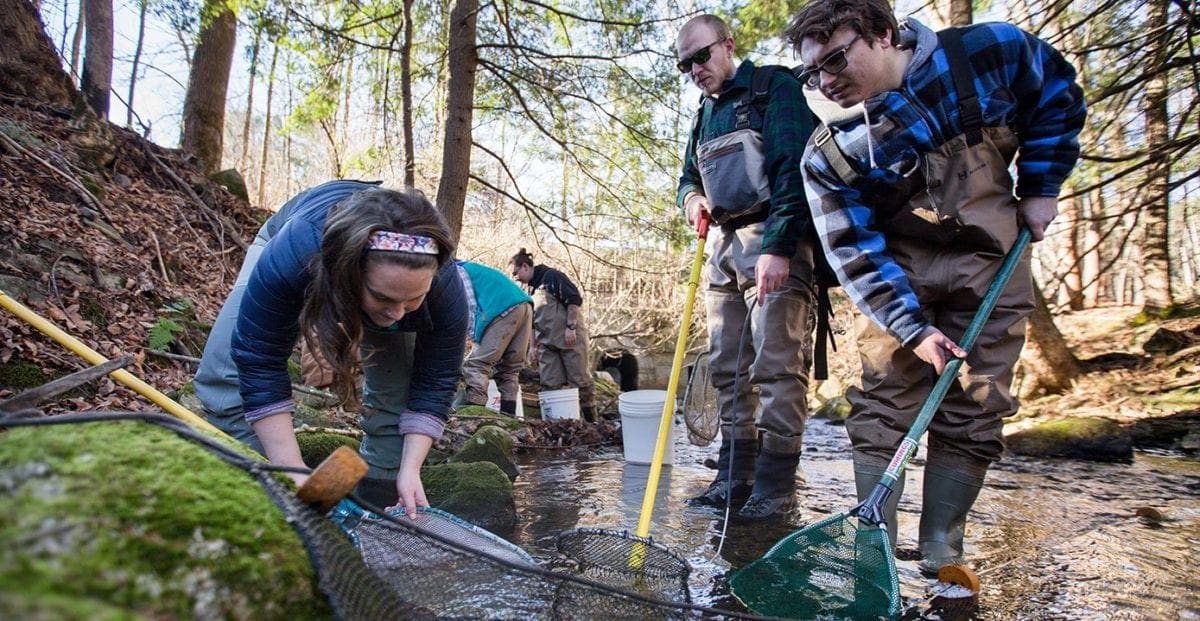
(755, 99)
(823, 138)
(969, 111)
(824, 329)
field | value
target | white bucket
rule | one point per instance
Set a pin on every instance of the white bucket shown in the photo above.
(559, 403)
(493, 399)
(641, 414)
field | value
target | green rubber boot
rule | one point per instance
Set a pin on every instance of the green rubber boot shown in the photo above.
(948, 496)
(867, 472)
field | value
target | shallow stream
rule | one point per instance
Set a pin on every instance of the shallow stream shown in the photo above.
(1050, 539)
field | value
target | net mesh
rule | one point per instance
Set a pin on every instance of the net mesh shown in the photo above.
(405, 570)
(700, 404)
(627, 561)
(832, 569)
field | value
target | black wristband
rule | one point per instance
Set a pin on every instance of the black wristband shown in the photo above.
(570, 327)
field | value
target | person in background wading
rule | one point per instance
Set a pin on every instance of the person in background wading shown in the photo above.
(501, 315)
(914, 202)
(366, 274)
(761, 265)
(560, 336)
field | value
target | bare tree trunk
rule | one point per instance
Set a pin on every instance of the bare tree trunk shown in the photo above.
(410, 157)
(137, 59)
(1073, 278)
(28, 65)
(289, 168)
(460, 103)
(345, 139)
(960, 12)
(266, 144)
(1156, 254)
(77, 41)
(66, 25)
(97, 57)
(1091, 259)
(250, 98)
(208, 84)
(1048, 362)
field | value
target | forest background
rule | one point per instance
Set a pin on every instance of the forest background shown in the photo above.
(559, 126)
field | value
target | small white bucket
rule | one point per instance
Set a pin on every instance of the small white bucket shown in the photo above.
(641, 414)
(562, 403)
(493, 400)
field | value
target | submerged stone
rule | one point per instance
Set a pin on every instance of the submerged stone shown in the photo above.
(129, 520)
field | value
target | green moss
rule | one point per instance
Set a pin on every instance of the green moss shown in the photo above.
(478, 492)
(97, 189)
(834, 410)
(494, 418)
(492, 444)
(293, 366)
(1075, 428)
(316, 446)
(94, 312)
(52, 607)
(1171, 312)
(20, 375)
(131, 515)
(1093, 438)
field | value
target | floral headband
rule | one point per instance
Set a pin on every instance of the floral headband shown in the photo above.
(401, 242)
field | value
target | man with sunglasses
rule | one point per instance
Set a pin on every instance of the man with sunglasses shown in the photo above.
(742, 169)
(913, 200)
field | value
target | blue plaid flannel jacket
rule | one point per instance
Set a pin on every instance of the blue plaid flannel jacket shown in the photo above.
(1022, 83)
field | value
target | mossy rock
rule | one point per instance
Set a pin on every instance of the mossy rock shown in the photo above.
(231, 180)
(1170, 432)
(834, 410)
(293, 368)
(493, 417)
(489, 443)
(315, 446)
(1092, 438)
(304, 414)
(478, 492)
(128, 520)
(52, 607)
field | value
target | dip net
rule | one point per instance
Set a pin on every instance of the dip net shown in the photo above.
(838, 568)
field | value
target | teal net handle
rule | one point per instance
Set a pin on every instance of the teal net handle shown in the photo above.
(871, 509)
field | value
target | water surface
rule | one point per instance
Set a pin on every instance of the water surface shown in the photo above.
(1050, 539)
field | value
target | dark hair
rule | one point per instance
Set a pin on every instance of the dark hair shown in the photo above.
(521, 258)
(332, 318)
(820, 18)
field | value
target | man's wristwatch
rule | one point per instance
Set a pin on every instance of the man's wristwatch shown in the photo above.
(570, 326)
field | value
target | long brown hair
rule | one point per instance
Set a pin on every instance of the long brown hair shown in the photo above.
(332, 318)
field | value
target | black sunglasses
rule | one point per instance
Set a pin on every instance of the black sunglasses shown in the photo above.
(699, 58)
(833, 64)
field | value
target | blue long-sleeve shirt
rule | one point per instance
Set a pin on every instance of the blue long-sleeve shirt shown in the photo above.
(268, 323)
(1023, 84)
